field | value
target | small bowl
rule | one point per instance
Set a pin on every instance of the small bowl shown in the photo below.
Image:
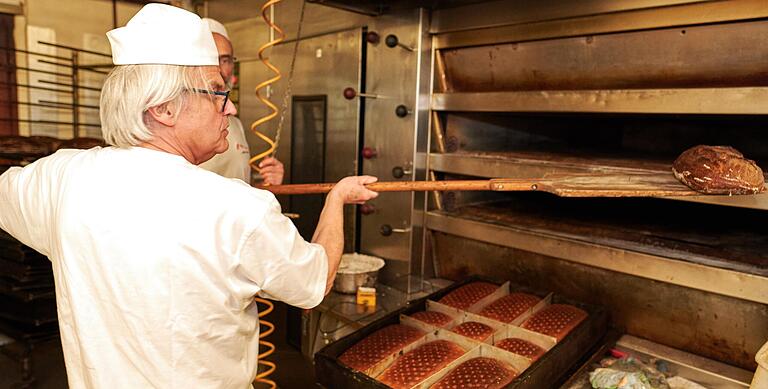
(356, 270)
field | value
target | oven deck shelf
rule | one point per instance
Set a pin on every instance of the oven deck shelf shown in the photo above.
(723, 101)
(728, 260)
(529, 164)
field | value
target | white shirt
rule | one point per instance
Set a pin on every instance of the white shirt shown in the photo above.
(156, 264)
(232, 163)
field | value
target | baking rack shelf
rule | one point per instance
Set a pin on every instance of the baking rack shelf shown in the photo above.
(731, 262)
(745, 101)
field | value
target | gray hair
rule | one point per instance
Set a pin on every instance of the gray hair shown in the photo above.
(131, 90)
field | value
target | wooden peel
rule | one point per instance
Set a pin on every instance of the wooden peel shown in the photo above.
(566, 185)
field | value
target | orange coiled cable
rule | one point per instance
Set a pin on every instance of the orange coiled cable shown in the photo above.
(266, 328)
(270, 367)
(262, 377)
(280, 36)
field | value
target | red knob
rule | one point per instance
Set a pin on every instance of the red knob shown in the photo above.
(367, 209)
(372, 37)
(369, 152)
(349, 93)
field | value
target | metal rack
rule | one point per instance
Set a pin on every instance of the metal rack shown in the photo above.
(68, 85)
(26, 285)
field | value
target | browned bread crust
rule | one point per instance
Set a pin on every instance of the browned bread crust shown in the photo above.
(438, 319)
(420, 363)
(380, 344)
(718, 170)
(464, 296)
(481, 372)
(521, 347)
(556, 320)
(473, 330)
(510, 307)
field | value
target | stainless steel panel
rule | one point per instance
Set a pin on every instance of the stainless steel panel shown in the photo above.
(393, 74)
(422, 121)
(666, 101)
(708, 324)
(721, 55)
(243, 19)
(702, 370)
(715, 280)
(337, 54)
(546, 28)
(506, 12)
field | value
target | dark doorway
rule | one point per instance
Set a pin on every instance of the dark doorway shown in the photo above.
(308, 135)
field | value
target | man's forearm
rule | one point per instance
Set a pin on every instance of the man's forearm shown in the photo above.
(330, 234)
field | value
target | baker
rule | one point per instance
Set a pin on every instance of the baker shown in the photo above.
(157, 261)
(233, 163)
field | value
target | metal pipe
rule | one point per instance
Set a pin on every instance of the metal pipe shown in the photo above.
(47, 104)
(69, 66)
(75, 49)
(70, 85)
(55, 63)
(97, 65)
(114, 14)
(437, 130)
(47, 122)
(76, 96)
(436, 196)
(68, 104)
(34, 70)
(33, 53)
(442, 78)
(35, 87)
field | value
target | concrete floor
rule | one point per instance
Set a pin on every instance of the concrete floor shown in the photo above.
(293, 370)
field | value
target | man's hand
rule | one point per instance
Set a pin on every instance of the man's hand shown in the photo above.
(351, 190)
(271, 170)
(330, 227)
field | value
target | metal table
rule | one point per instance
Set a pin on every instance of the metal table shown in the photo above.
(339, 314)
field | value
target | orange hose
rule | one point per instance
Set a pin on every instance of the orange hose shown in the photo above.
(270, 366)
(266, 348)
(280, 36)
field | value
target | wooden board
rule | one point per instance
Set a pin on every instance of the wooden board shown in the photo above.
(565, 185)
(601, 185)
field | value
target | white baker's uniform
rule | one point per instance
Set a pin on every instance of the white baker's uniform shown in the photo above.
(232, 163)
(156, 264)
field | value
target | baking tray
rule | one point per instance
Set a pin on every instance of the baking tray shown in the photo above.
(24, 272)
(546, 372)
(33, 312)
(706, 372)
(13, 250)
(32, 333)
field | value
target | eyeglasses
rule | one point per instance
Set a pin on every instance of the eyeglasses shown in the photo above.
(227, 60)
(217, 93)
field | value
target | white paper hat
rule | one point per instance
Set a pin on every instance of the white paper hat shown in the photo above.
(216, 27)
(163, 34)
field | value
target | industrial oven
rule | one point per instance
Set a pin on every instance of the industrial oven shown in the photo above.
(411, 90)
(470, 89)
